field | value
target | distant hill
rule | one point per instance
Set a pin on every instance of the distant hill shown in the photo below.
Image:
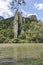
(1, 18)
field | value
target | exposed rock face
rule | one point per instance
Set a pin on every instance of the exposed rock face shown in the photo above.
(23, 19)
(17, 24)
(32, 17)
(18, 21)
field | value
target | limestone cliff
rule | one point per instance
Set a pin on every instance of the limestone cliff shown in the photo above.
(17, 23)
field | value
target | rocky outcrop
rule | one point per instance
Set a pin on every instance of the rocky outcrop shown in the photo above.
(17, 24)
(19, 20)
(32, 17)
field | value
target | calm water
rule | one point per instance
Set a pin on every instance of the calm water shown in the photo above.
(30, 61)
(7, 62)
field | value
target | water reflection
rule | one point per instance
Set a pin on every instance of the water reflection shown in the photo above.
(8, 61)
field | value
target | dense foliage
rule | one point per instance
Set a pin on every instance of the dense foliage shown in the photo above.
(31, 31)
(6, 30)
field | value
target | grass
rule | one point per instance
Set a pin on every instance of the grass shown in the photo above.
(20, 51)
(25, 54)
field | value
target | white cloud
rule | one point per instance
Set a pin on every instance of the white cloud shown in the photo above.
(4, 8)
(1, 14)
(27, 14)
(38, 6)
(32, 14)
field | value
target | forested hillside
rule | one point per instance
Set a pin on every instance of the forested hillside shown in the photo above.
(32, 31)
(6, 30)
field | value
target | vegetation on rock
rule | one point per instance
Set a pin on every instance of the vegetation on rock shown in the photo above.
(31, 31)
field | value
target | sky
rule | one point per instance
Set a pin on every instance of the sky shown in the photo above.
(31, 7)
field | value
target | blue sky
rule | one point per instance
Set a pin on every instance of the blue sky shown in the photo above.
(31, 7)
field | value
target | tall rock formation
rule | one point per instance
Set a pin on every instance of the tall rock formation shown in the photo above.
(17, 24)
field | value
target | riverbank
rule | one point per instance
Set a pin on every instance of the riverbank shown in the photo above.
(20, 51)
